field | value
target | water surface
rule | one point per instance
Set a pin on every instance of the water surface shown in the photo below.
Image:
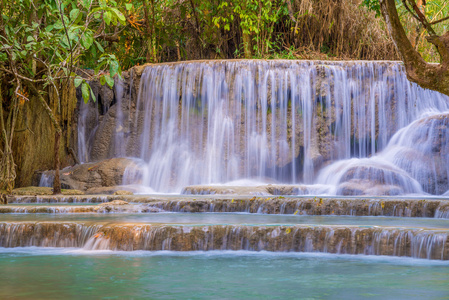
(32, 273)
(230, 218)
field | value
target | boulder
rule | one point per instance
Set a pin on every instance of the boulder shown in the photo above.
(356, 187)
(93, 177)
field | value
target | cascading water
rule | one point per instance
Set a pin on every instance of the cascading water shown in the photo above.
(278, 121)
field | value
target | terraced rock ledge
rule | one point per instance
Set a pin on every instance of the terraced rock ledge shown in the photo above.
(367, 240)
(398, 207)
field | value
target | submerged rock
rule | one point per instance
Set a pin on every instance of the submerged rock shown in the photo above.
(122, 192)
(259, 190)
(113, 190)
(120, 206)
(224, 190)
(114, 202)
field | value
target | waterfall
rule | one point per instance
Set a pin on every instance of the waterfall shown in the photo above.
(366, 240)
(291, 122)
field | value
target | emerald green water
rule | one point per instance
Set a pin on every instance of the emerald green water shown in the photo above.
(230, 218)
(37, 273)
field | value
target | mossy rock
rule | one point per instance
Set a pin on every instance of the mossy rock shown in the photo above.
(41, 191)
(123, 193)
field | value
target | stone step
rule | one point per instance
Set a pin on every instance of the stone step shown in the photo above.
(363, 240)
(398, 207)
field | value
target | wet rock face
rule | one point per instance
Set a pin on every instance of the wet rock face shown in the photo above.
(103, 177)
(100, 122)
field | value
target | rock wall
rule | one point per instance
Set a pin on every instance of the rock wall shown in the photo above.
(33, 144)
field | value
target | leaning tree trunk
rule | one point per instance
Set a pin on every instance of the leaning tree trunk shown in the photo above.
(431, 76)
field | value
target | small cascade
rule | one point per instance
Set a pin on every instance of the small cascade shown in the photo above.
(368, 176)
(47, 178)
(22, 209)
(367, 240)
(414, 208)
(273, 121)
(422, 149)
(311, 206)
(45, 234)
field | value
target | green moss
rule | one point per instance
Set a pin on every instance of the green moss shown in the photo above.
(34, 190)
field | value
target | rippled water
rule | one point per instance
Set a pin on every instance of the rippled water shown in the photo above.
(32, 273)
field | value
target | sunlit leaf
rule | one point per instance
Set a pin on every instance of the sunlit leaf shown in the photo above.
(78, 81)
(85, 91)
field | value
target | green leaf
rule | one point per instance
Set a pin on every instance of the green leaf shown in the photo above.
(119, 16)
(113, 68)
(92, 95)
(78, 81)
(58, 25)
(109, 80)
(128, 6)
(74, 14)
(85, 91)
(101, 64)
(102, 80)
(107, 18)
(87, 40)
(99, 47)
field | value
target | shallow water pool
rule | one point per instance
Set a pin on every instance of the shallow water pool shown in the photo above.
(230, 218)
(32, 273)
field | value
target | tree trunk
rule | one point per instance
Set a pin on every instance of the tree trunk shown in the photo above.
(247, 45)
(431, 76)
(57, 182)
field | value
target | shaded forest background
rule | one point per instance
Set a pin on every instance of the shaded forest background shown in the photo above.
(167, 30)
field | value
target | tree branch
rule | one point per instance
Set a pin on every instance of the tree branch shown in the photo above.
(431, 76)
(439, 21)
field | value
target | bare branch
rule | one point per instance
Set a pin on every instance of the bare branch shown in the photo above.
(439, 21)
